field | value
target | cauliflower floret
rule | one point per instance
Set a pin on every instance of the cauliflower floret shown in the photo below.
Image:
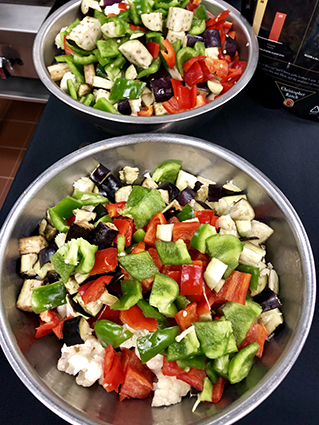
(129, 343)
(63, 84)
(84, 360)
(156, 364)
(168, 390)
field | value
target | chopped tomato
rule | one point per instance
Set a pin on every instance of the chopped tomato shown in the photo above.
(194, 377)
(125, 228)
(257, 333)
(169, 55)
(128, 357)
(113, 371)
(135, 319)
(93, 290)
(185, 230)
(192, 279)
(218, 389)
(187, 316)
(150, 235)
(105, 261)
(153, 48)
(113, 209)
(135, 384)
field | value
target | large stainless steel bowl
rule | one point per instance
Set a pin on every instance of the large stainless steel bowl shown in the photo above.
(289, 251)
(44, 51)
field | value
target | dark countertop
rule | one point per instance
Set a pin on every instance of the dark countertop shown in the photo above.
(283, 147)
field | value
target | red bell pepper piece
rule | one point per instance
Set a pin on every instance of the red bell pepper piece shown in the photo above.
(58, 330)
(135, 319)
(257, 333)
(48, 321)
(150, 235)
(205, 216)
(174, 274)
(71, 220)
(218, 389)
(123, 6)
(203, 307)
(185, 230)
(191, 6)
(187, 65)
(93, 290)
(148, 111)
(137, 27)
(183, 97)
(187, 316)
(172, 106)
(234, 289)
(109, 314)
(125, 228)
(113, 371)
(207, 75)
(227, 86)
(140, 247)
(113, 209)
(198, 256)
(217, 19)
(67, 48)
(192, 279)
(153, 48)
(195, 377)
(169, 55)
(200, 100)
(135, 384)
(206, 292)
(128, 357)
(155, 257)
(105, 261)
(147, 284)
(175, 84)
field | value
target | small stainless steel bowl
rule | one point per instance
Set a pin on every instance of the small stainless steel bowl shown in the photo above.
(288, 250)
(44, 50)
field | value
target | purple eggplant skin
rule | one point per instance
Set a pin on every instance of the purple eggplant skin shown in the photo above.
(46, 253)
(186, 196)
(214, 192)
(109, 3)
(79, 230)
(104, 235)
(192, 39)
(52, 277)
(124, 107)
(204, 205)
(230, 46)
(100, 211)
(267, 299)
(173, 191)
(162, 88)
(109, 186)
(99, 174)
(212, 38)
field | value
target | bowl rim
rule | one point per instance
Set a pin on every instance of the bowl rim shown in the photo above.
(249, 400)
(125, 119)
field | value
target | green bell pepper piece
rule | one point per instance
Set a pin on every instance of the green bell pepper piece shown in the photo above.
(174, 252)
(198, 240)
(77, 50)
(201, 12)
(241, 317)
(104, 105)
(186, 213)
(108, 48)
(198, 27)
(221, 365)
(240, 365)
(181, 302)
(184, 4)
(88, 99)
(226, 248)
(138, 7)
(188, 347)
(126, 89)
(167, 171)
(155, 342)
(120, 244)
(132, 293)
(75, 69)
(108, 333)
(206, 394)
(198, 362)
(138, 236)
(65, 207)
(177, 45)
(72, 89)
(214, 337)
(149, 311)
(211, 372)
(254, 271)
(200, 48)
(87, 256)
(102, 63)
(142, 206)
(163, 294)
(48, 297)
(139, 265)
(105, 219)
(164, 13)
(84, 60)
(154, 67)
(156, 37)
(58, 222)
(162, 4)
(113, 72)
(183, 56)
(100, 16)
(89, 198)
(65, 270)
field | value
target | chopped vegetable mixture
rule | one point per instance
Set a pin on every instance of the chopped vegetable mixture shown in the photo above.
(147, 57)
(155, 284)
